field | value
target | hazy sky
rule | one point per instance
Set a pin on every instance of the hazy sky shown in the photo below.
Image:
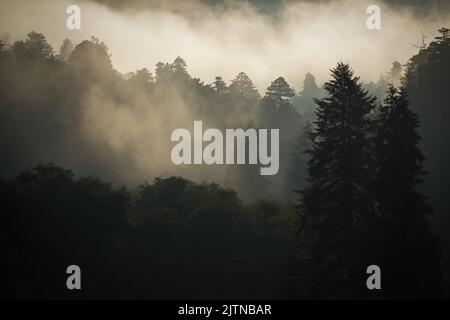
(290, 40)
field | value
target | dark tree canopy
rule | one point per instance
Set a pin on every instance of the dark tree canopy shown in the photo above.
(427, 85)
(404, 235)
(335, 206)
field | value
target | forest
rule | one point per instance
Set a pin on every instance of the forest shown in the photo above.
(86, 179)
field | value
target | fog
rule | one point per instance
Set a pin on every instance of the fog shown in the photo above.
(108, 128)
(91, 110)
(298, 37)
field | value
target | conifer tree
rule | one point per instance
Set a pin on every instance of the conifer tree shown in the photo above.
(242, 86)
(66, 50)
(220, 86)
(335, 206)
(427, 80)
(277, 108)
(409, 253)
(279, 91)
(278, 112)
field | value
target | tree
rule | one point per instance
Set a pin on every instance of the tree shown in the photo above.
(276, 104)
(220, 86)
(404, 235)
(35, 46)
(141, 78)
(378, 89)
(179, 67)
(304, 102)
(278, 112)
(279, 91)
(92, 57)
(444, 36)
(38, 45)
(242, 86)
(427, 84)
(395, 74)
(5, 52)
(310, 87)
(66, 50)
(173, 74)
(336, 205)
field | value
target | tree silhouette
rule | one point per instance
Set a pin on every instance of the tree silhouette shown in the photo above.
(405, 237)
(35, 46)
(427, 79)
(242, 86)
(91, 57)
(279, 91)
(278, 112)
(335, 206)
(395, 74)
(304, 102)
(66, 50)
(220, 85)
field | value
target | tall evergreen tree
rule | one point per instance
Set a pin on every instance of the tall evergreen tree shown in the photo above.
(304, 101)
(428, 84)
(410, 256)
(335, 207)
(276, 105)
(242, 98)
(278, 112)
(242, 86)
(279, 91)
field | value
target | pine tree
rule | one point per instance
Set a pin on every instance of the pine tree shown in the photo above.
(278, 112)
(179, 68)
(66, 50)
(310, 88)
(242, 86)
(279, 91)
(335, 207)
(395, 74)
(304, 101)
(428, 84)
(409, 253)
(220, 86)
(276, 104)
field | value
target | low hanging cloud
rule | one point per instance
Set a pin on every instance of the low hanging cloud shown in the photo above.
(227, 37)
(128, 140)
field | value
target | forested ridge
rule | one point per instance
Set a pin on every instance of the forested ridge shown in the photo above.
(363, 179)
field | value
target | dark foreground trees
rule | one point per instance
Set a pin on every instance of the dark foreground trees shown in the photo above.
(427, 84)
(362, 206)
(407, 250)
(335, 207)
(168, 239)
